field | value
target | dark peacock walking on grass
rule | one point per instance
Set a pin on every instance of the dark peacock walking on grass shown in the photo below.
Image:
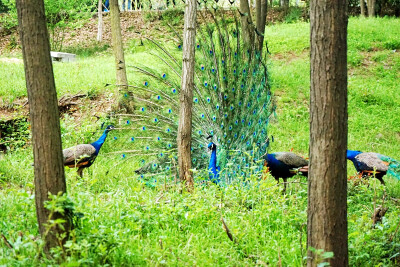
(370, 164)
(232, 105)
(285, 165)
(82, 156)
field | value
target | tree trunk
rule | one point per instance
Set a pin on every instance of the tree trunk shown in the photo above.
(118, 48)
(44, 116)
(246, 23)
(100, 24)
(371, 7)
(184, 138)
(327, 183)
(261, 12)
(362, 7)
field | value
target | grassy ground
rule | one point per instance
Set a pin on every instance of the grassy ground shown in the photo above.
(126, 222)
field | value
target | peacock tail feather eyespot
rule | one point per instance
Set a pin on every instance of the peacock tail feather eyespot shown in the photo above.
(215, 87)
(173, 90)
(143, 128)
(195, 100)
(164, 75)
(202, 67)
(155, 120)
(115, 138)
(205, 84)
(142, 109)
(123, 156)
(132, 139)
(128, 122)
(146, 83)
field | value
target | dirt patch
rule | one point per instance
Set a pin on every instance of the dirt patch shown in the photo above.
(134, 25)
(76, 106)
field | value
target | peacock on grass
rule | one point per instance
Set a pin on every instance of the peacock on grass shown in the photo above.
(82, 156)
(285, 165)
(370, 164)
(232, 105)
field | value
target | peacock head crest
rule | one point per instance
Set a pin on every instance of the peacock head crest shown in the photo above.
(351, 154)
(211, 146)
(109, 128)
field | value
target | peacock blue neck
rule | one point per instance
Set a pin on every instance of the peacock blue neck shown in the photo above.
(351, 154)
(212, 166)
(97, 145)
(271, 159)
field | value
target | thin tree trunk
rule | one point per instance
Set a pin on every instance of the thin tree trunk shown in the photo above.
(100, 24)
(261, 12)
(362, 7)
(118, 48)
(246, 23)
(327, 183)
(371, 7)
(44, 117)
(184, 138)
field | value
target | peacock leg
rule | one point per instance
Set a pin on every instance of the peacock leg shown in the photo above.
(80, 172)
(284, 185)
(380, 178)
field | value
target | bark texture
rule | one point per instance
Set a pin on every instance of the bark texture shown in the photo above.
(261, 11)
(118, 45)
(327, 184)
(44, 116)
(362, 7)
(100, 23)
(184, 138)
(371, 7)
(246, 23)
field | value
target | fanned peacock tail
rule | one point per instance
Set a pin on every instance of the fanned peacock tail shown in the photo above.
(232, 104)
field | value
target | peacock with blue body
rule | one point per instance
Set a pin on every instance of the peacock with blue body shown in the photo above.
(285, 165)
(373, 164)
(232, 106)
(82, 156)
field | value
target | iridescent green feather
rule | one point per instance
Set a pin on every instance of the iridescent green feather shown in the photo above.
(232, 103)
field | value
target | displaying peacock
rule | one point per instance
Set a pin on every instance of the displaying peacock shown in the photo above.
(285, 165)
(82, 156)
(232, 105)
(373, 164)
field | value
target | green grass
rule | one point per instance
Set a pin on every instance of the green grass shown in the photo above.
(128, 223)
